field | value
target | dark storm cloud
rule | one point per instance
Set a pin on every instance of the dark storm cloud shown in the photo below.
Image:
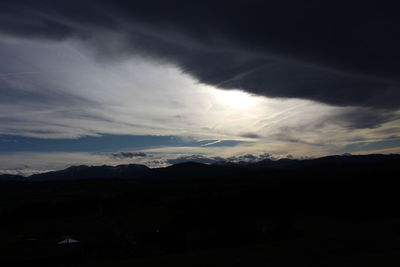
(338, 53)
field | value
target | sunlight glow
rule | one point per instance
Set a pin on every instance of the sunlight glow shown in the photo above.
(236, 99)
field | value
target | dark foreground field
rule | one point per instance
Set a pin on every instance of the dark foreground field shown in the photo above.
(333, 211)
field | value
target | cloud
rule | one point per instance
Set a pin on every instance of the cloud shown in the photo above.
(370, 145)
(251, 157)
(338, 54)
(109, 68)
(359, 118)
(250, 135)
(210, 160)
(128, 155)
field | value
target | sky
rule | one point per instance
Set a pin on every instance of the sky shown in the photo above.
(162, 82)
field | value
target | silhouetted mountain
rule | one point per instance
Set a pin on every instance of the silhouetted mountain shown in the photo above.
(10, 177)
(191, 169)
(281, 163)
(336, 209)
(195, 170)
(92, 172)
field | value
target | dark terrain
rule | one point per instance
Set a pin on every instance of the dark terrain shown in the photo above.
(331, 211)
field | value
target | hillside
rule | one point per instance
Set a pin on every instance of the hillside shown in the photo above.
(329, 211)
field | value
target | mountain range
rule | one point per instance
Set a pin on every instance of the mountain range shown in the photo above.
(223, 168)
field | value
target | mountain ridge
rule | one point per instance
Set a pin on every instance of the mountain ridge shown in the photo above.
(192, 168)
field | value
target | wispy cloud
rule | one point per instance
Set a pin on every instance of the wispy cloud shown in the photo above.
(212, 143)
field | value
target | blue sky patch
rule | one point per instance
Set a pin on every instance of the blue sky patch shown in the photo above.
(103, 143)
